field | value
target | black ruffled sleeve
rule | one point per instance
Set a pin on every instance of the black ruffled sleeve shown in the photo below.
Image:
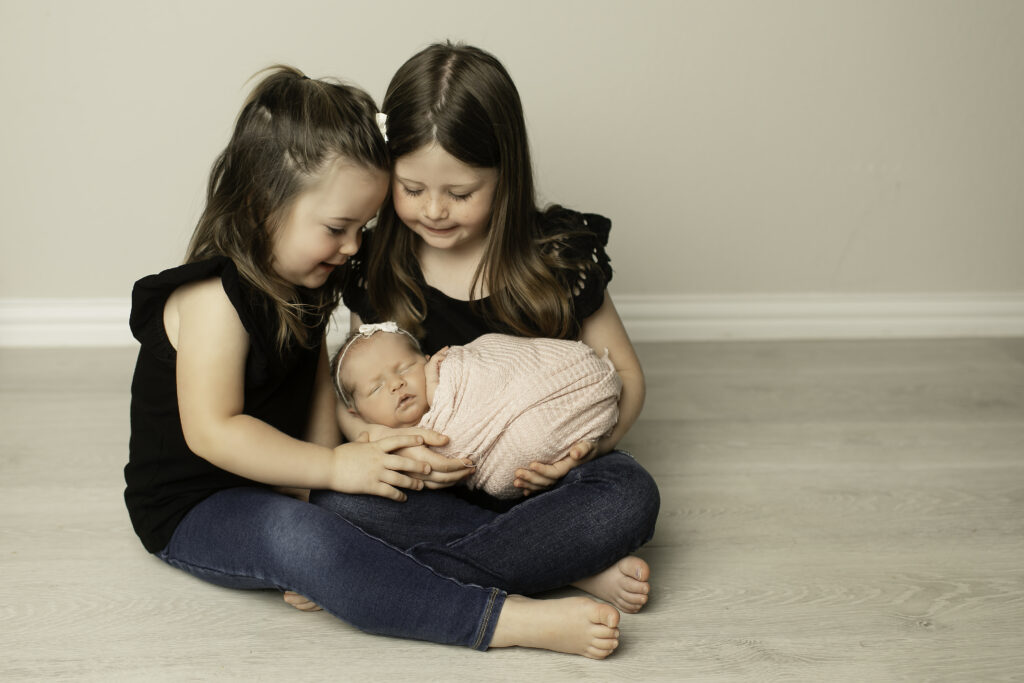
(150, 294)
(586, 236)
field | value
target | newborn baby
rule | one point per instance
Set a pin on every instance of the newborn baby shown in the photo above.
(503, 401)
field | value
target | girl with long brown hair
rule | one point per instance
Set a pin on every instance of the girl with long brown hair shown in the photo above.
(460, 250)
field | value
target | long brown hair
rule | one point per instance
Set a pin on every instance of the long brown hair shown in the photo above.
(462, 98)
(290, 129)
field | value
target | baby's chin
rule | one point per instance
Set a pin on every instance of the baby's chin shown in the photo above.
(409, 420)
(412, 421)
(410, 416)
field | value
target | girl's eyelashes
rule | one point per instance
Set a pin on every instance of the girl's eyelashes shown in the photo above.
(337, 232)
(457, 197)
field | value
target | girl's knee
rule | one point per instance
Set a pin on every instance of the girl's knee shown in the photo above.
(630, 476)
(635, 488)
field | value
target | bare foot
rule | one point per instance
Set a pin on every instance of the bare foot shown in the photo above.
(624, 584)
(300, 602)
(576, 626)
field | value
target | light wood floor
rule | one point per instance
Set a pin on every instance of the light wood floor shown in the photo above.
(846, 511)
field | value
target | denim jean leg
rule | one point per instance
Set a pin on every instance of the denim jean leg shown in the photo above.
(598, 513)
(433, 516)
(252, 538)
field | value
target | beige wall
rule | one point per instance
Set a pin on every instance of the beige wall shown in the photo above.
(739, 146)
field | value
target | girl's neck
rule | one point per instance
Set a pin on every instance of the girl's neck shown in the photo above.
(451, 271)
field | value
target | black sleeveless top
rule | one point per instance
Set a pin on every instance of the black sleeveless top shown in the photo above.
(454, 322)
(164, 478)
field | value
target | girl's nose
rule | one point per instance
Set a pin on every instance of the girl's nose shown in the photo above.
(435, 209)
(397, 383)
(350, 246)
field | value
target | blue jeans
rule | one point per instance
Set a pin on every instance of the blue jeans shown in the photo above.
(598, 513)
(253, 538)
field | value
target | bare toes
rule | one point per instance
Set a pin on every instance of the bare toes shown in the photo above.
(607, 615)
(635, 568)
(634, 586)
(602, 650)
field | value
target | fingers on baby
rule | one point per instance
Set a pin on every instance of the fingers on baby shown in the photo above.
(581, 449)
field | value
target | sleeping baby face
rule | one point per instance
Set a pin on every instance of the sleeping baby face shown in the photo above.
(385, 377)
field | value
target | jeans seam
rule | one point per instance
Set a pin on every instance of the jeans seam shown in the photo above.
(486, 621)
(181, 564)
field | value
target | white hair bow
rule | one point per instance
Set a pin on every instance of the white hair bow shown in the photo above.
(367, 330)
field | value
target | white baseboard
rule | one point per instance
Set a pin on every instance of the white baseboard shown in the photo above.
(104, 322)
(823, 316)
(65, 322)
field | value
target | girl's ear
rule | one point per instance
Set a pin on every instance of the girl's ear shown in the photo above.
(352, 411)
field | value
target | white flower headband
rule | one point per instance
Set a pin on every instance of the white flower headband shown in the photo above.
(382, 124)
(365, 331)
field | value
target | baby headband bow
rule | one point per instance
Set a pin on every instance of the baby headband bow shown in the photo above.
(382, 124)
(365, 331)
(368, 330)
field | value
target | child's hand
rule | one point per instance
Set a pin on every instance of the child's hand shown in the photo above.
(586, 450)
(541, 476)
(442, 472)
(369, 467)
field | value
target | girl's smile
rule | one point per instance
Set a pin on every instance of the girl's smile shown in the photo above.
(441, 199)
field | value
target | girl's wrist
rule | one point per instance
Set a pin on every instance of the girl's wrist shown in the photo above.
(326, 469)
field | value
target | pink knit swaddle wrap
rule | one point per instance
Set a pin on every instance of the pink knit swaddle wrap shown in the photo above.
(508, 401)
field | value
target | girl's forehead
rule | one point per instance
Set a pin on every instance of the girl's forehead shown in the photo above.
(433, 161)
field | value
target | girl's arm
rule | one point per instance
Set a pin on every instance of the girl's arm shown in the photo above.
(212, 347)
(323, 427)
(602, 330)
